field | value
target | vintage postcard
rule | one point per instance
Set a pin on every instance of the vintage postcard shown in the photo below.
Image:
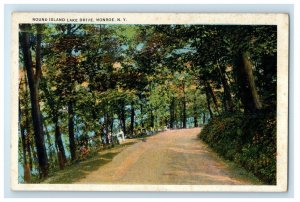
(149, 102)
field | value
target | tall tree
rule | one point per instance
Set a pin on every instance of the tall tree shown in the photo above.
(33, 81)
(248, 91)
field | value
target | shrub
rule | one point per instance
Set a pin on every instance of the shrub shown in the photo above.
(249, 140)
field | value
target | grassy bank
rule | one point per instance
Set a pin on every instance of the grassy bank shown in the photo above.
(248, 140)
(76, 171)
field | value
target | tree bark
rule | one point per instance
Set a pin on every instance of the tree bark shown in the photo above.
(34, 155)
(70, 29)
(29, 150)
(55, 116)
(123, 117)
(71, 131)
(172, 112)
(33, 81)
(247, 87)
(213, 96)
(111, 119)
(132, 118)
(195, 119)
(195, 113)
(60, 146)
(51, 152)
(106, 127)
(142, 116)
(27, 128)
(28, 141)
(184, 113)
(208, 102)
(176, 115)
(111, 124)
(184, 107)
(59, 141)
(26, 166)
(229, 106)
(23, 138)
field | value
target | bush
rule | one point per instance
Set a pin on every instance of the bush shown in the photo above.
(249, 140)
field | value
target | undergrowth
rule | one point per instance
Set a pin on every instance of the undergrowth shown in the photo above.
(249, 140)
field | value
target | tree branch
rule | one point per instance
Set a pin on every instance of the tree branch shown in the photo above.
(73, 31)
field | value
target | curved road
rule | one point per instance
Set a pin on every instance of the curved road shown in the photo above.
(170, 157)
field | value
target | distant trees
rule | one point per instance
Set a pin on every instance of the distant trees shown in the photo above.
(101, 79)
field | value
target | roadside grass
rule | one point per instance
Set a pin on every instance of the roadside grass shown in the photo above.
(241, 173)
(236, 170)
(78, 170)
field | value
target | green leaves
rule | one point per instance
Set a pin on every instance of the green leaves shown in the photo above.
(248, 140)
(152, 76)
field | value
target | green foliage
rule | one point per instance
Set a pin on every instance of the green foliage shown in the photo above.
(249, 140)
(147, 77)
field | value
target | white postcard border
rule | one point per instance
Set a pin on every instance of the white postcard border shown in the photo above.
(282, 22)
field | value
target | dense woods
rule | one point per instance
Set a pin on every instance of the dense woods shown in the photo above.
(82, 85)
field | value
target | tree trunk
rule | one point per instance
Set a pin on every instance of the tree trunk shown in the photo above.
(247, 87)
(71, 102)
(175, 115)
(29, 149)
(172, 112)
(23, 138)
(27, 128)
(142, 116)
(184, 113)
(111, 124)
(208, 102)
(54, 116)
(34, 157)
(203, 118)
(28, 141)
(33, 81)
(195, 121)
(213, 96)
(184, 106)
(26, 166)
(132, 119)
(111, 130)
(229, 106)
(106, 126)
(71, 131)
(48, 138)
(122, 117)
(59, 141)
(51, 152)
(195, 113)
(61, 149)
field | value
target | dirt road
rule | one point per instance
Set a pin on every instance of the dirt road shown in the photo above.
(170, 157)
